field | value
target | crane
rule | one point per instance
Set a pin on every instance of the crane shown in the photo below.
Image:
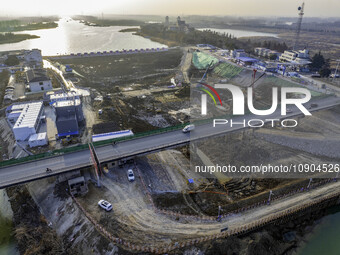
(298, 30)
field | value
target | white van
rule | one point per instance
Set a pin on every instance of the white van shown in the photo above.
(188, 128)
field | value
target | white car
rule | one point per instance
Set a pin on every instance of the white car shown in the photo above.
(188, 128)
(131, 176)
(105, 205)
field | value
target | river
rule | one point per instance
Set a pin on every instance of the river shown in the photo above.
(74, 37)
(239, 33)
(325, 237)
(7, 243)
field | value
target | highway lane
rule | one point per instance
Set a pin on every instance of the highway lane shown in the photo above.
(173, 138)
(32, 170)
(12, 175)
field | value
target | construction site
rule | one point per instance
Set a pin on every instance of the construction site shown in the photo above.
(169, 208)
(111, 157)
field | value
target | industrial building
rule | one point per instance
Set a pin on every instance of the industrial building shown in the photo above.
(267, 53)
(238, 53)
(266, 66)
(69, 116)
(25, 119)
(300, 57)
(246, 61)
(180, 25)
(39, 139)
(38, 80)
(53, 96)
(28, 58)
(78, 186)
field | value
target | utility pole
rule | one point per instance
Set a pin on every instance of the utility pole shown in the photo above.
(219, 213)
(337, 176)
(336, 69)
(310, 181)
(270, 196)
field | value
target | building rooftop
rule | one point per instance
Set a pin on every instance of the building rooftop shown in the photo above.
(65, 103)
(29, 114)
(36, 75)
(39, 136)
(63, 96)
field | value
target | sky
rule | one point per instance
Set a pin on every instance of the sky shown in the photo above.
(286, 8)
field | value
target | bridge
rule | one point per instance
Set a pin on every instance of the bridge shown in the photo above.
(14, 172)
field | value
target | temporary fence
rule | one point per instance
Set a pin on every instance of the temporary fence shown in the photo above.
(243, 229)
(178, 214)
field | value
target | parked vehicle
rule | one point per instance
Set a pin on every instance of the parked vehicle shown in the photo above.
(105, 205)
(188, 128)
(131, 176)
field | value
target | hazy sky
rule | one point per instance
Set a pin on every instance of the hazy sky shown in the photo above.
(314, 8)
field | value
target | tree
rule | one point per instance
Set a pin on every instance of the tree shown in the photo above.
(325, 70)
(12, 61)
(318, 61)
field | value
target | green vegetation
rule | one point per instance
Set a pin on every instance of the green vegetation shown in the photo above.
(202, 60)
(16, 26)
(227, 70)
(4, 78)
(13, 38)
(191, 37)
(12, 61)
(134, 29)
(321, 64)
(93, 21)
(5, 230)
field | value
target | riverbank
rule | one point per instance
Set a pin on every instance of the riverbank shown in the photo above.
(129, 30)
(32, 231)
(14, 38)
(29, 27)
(95, 22)
(169, 43)
(7, 241)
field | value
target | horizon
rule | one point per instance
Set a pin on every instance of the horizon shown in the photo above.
(241, 8)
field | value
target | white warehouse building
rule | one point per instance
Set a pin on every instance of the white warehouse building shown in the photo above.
(27, 118)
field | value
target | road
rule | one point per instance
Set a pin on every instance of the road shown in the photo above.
(134, 214)
(15, 174)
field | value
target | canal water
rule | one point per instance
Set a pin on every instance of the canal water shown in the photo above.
(7, 243)
(325, 237)
(74, 37)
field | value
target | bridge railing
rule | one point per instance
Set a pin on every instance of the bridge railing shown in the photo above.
(81, 147)
(43, 155)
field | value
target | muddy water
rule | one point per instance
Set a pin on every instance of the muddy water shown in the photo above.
(7, 243)
(325, 237)
(73, 37)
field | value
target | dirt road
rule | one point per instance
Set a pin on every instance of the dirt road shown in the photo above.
(136, 220)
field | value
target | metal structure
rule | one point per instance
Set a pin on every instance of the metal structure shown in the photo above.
(336, 69)
(94, 160)
(298, 30)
